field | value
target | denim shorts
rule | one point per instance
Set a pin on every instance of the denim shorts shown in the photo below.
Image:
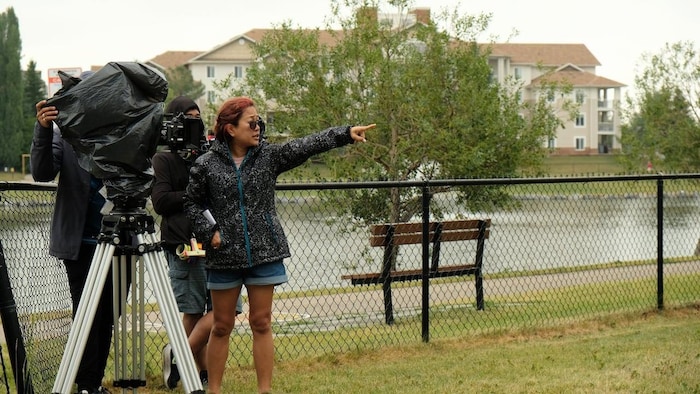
(188, 280)
(264, 274)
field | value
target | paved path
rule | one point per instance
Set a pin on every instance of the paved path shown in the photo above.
(371, 302)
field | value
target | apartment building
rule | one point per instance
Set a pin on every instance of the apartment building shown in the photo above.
(595, 129)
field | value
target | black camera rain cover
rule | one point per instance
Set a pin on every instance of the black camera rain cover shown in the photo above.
(112, 119)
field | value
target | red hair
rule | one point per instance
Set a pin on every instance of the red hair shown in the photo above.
(230, 112)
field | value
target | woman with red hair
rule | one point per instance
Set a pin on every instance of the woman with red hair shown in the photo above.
(231, 202)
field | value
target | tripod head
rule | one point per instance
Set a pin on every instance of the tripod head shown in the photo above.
(124, 224)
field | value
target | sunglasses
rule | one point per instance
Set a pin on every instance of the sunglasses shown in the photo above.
(256, 123)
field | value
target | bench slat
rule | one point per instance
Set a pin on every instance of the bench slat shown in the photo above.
(417, 238)
(400, 228)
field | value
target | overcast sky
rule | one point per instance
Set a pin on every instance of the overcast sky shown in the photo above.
(71, 33)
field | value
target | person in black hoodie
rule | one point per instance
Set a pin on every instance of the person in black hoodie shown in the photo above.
(74, 234)
(187, 275)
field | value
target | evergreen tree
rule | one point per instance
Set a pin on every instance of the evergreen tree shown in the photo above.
(11, 97)
(34, 91)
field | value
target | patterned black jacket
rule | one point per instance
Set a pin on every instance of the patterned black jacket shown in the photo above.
(242, 200)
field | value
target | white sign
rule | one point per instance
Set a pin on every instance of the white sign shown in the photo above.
(55, 83)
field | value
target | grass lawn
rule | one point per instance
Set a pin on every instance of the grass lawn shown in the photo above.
(653, 352)
(11, 176)
(553, 166)
(578, 165)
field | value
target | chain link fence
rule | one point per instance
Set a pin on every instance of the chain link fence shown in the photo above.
(561, 250)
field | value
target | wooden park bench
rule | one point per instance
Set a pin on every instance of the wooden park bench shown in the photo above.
(391, 235)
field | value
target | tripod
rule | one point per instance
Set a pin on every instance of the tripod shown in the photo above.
(127, 236)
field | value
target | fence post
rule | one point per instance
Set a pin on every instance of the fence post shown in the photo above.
(660, 243)
(13, 334)
(425, 331)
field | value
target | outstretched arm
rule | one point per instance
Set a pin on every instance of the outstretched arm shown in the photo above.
(297, 151)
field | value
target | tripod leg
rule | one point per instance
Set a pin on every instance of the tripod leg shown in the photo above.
(84, 316)
(155, 264)
(125, 377)
(142, 322)
(116, 307)
(125, 272)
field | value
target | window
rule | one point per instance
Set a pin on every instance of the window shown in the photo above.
(211, 96)
(238, 72)
(552, 143)
(550, 96)
(518, 73)
(580, 121)
(580, 96)
(607, 116)
(580, 143)
(210, 72)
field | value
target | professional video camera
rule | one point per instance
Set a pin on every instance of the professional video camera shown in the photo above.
(115, 135)
(183, 134)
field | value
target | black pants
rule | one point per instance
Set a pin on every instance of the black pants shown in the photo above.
(92, 366)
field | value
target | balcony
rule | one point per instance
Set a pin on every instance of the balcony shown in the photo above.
(605, 103)
(606, 126)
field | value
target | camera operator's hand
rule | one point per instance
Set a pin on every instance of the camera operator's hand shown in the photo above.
(216, 240)
(45, 115)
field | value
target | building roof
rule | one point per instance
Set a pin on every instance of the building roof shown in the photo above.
(325, 37)
(172, 59)
(256, 35)
(552, 55)
(545, 54)
(573, 75)
(548, 55)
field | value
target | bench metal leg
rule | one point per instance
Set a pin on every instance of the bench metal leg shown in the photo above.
(388, 304)
(479, 291)
(389, 251)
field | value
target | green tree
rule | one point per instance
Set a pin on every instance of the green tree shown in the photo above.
(181, 83)
(11, 113)
(34, 91)
(429, 90)
(664, 115)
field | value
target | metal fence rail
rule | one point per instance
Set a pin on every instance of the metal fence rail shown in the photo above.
(566, 249)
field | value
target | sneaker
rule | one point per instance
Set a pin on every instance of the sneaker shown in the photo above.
(170, 373)
(204, 378)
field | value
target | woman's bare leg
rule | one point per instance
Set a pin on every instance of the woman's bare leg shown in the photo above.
(224, 311)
